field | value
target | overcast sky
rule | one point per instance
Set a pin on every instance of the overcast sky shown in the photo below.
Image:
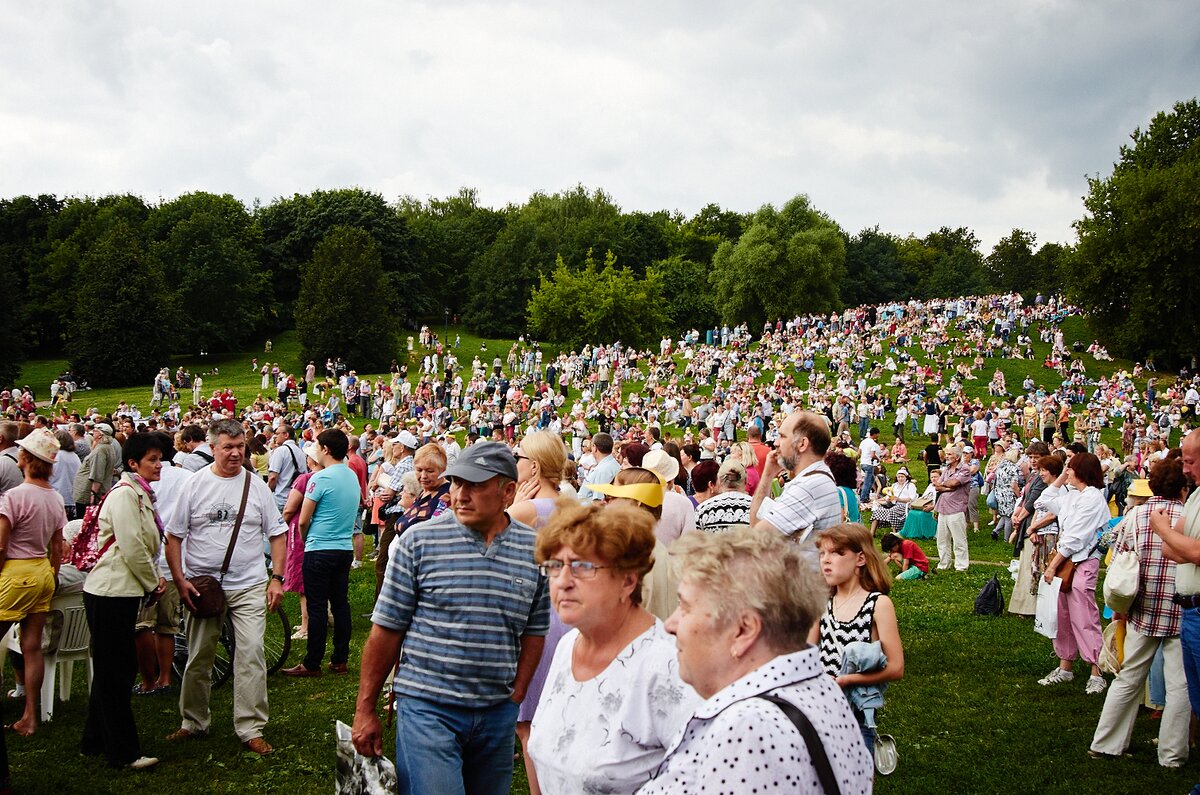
(911, 115)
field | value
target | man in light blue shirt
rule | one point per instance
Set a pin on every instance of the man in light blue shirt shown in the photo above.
(605, 470)
(331, 500)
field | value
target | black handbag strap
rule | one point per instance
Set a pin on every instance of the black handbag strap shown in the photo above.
(237, 526)
(816, 749)
(295, 465)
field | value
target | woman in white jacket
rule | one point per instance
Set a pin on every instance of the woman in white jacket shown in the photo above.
(1077, 500)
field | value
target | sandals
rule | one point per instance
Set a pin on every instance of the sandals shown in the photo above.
(160, 690)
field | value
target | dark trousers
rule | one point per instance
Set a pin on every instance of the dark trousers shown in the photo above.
(327, 586)
(109, 728)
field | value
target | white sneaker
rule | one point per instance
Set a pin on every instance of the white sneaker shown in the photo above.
(1095, 684)
(1056, 677)
(357, 564)
(17, 692)
(143, 762)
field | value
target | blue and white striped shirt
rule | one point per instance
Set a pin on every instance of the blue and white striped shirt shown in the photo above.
(463, 606)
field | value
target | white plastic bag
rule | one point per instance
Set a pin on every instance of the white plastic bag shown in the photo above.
(358, 774)
(1045, 621)
(1121, 580)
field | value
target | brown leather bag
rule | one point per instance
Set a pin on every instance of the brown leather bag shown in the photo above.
(1066, 573)
(210, 602)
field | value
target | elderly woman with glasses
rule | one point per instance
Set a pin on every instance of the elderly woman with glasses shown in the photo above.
(747, 599)
(613, 697)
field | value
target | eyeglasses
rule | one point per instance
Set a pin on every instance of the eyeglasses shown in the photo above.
(580, 569)
(518, 457)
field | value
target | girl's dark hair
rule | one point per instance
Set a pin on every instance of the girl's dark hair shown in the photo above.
(890, 543)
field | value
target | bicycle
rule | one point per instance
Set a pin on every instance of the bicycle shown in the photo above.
(277, 644)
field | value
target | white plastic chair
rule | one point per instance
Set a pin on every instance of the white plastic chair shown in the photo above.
(73, 644)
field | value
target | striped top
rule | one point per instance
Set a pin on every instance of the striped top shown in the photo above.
(463, 606)
(809, 503)
(836, 634)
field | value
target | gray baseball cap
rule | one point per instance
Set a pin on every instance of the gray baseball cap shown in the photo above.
(483, 461)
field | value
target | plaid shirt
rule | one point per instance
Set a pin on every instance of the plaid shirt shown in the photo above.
(1153, 614)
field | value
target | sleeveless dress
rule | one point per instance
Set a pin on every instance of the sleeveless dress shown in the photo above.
(544, 506)
(836, 634)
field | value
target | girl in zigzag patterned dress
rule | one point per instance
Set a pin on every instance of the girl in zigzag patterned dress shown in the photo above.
(857, 615)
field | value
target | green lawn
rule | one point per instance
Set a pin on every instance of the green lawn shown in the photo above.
(968, 716)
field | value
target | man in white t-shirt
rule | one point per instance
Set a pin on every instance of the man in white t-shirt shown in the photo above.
(870, 456)
(285, 464)
(204, 515)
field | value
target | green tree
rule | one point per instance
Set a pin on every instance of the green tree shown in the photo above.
(945, 263)
(208, 246)
(567, 224)
(54, 279)
(116, 334)
(687, 292)
(449, 236)
(1011, 267)
(874, 270)
(788, 261)
(573, 307)
(12, 343)
(24, 222)
(1134, 269)
(1049, 264)
(330, 320)
(292, 228)
(700, 236)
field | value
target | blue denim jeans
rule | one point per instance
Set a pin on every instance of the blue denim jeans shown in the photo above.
(446, 750)
(1189, 640)
(864, 495)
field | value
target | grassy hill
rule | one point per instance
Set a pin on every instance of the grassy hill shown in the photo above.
(968, 717)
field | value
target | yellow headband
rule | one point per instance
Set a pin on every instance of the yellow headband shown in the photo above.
(649, 494)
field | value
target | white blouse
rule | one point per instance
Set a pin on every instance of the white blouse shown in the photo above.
(1080, 515)
(609, 734)
(738, 743)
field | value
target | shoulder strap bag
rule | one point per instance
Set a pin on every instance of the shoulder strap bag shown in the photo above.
(295, 465)
(816, 749)
(210, 602)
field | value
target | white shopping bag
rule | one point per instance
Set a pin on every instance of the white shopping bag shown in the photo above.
(358, 774)
(1045, 621)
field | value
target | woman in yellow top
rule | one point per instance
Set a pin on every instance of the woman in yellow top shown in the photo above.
(31, 524)
(123, 579)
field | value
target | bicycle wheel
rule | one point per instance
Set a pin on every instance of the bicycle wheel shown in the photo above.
(277, 640)
(222, 663)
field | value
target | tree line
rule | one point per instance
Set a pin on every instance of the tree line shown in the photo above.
(116, 284)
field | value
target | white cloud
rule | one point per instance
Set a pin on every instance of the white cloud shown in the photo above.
(910, 116)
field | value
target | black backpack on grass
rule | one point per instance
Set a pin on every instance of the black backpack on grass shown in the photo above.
(990, 601)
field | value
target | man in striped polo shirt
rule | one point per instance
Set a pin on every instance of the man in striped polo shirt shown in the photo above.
(810, 500)
(466, 612)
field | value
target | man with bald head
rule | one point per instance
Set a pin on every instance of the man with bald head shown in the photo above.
(810, 500)
(1181, 543)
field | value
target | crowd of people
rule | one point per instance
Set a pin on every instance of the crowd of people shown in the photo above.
(680, 544)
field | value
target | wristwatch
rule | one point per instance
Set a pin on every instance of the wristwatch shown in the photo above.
(277, 577)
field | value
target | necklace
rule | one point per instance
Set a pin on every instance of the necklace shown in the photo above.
(846, 599)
